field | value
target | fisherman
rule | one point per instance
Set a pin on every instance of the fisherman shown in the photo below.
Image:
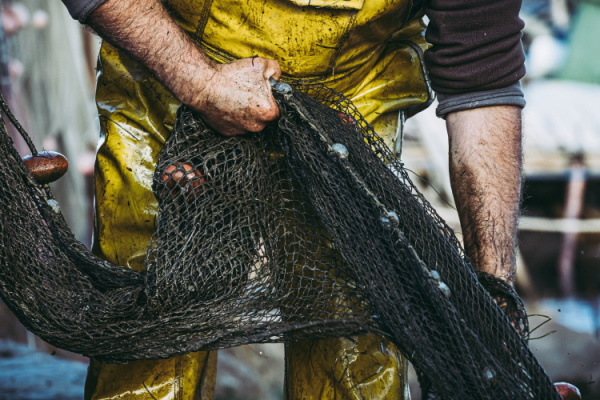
(217, 56)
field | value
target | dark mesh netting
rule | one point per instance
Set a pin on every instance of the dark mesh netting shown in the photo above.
(309, 229)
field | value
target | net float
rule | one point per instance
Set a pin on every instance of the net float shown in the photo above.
(568, 391)
(46, 166)
(348, 119)
(180, 174)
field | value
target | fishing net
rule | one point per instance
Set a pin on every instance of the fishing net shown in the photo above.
(310, 229)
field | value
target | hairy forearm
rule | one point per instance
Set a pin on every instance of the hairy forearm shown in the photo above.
(232, 98)
(145, 30)
(485, 169)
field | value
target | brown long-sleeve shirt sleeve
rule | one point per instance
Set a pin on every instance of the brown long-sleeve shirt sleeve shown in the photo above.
(476, 45)
(81, 9)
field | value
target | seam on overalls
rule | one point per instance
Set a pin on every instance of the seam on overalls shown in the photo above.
(203, 19)
(340, 45)
(178, 379)
(412, 110)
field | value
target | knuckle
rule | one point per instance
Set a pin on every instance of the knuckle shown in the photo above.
(275, 66)
(255, 127)
(271, 113)
(258, 61)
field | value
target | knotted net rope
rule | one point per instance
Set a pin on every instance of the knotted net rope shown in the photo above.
(309, 229)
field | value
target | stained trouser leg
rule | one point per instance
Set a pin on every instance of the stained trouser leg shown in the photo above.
(188, 377)
(363, 367)
(125, 221)
(353, 368)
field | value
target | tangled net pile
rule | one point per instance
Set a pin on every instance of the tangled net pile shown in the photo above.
(310, 229)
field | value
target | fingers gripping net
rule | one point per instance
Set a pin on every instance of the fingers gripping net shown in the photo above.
(307, 230)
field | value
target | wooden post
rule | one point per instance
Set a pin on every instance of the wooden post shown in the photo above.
(523, 278)
(573, 206)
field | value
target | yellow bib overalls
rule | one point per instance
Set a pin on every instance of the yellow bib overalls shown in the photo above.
(368, 49)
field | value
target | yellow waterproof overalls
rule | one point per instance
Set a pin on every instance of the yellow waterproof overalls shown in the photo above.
(368, 49)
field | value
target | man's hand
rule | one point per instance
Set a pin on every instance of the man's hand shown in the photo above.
(485, 172)
(233, 98)
(239, 98)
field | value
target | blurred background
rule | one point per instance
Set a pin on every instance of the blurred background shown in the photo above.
(47, 74)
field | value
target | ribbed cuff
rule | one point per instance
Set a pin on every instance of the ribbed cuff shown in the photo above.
(509, 96)
(81, 9)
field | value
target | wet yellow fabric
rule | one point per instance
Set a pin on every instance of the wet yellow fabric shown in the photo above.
(335, 4)
(352, 368)
(368, 51)
(188, 377)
